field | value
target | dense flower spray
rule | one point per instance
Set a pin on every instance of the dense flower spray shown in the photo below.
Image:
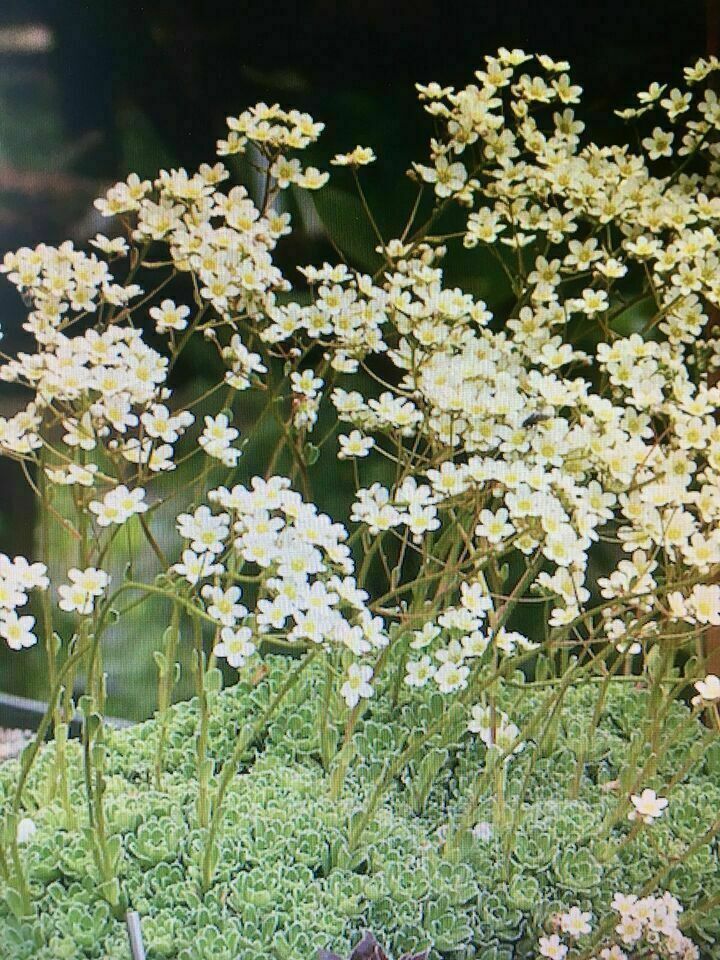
(554, 451)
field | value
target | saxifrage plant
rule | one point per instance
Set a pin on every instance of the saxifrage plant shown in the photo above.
(554, 452)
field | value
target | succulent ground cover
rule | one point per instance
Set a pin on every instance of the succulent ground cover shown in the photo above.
(287, 882)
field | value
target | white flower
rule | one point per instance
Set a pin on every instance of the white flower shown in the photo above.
(306, 383)
(359, 157)
(704, 603)
(419, 672)
(217, 437)
(117, 247)
(286, 171)
(708, 689)
(648, 806)
(157, 458)
(474, 597)
(354, 445)
(451, 677)
(16, 630)
(84, 587)
(357, 685)
(623, 903)
(313, 179)
(659, 144)
(12, 593)
(592, 302)
(448, 177)
(118, 505)
(424, 637)
(25, 830)
(223, 604)
(196, 566)
(421, 519)
(496, 731)
(552, 947)
(206, 531)
(80, 433)
(509, 640)
(28, 576)
(629, 929)
(73, 473)
(235, 646)
(575, 922)
(482, 831)
(160, 423)
(168, 316)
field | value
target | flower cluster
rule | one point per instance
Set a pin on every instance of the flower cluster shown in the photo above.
(99, 385)
(306, 388)
(105, 386)
(17, 578)
(548, 461)
(85, 587)
(118, 505)
(273, 132)
(644, 924)
(306, 593)
(412, 506)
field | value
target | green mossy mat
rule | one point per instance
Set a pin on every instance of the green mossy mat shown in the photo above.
(286, 883)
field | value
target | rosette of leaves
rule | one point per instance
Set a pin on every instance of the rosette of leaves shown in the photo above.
(213, 942)
(578, 870)
(157, 840)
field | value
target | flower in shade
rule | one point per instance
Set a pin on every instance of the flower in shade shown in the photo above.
(708, 689)
(648, 806)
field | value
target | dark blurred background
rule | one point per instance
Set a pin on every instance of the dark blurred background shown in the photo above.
(91, 90)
